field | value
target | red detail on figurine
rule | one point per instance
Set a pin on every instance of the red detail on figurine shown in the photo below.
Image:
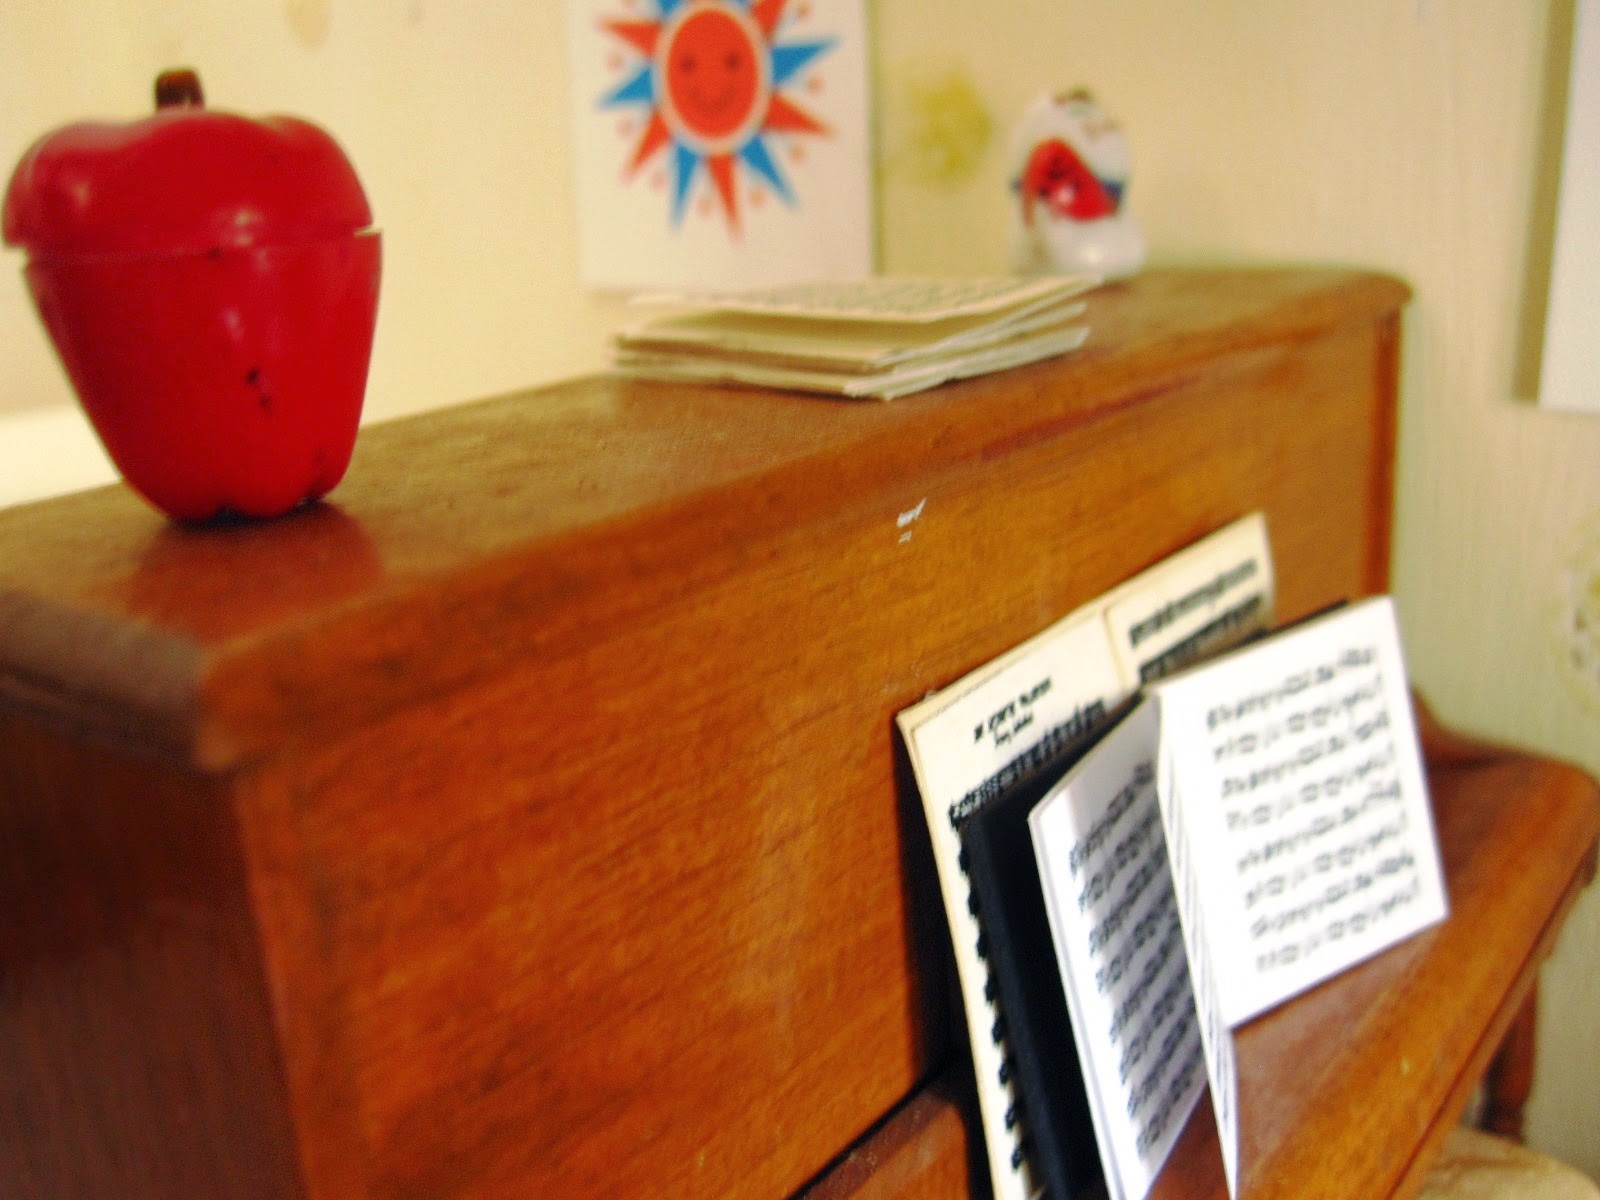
(210, 282)
(1057, 178)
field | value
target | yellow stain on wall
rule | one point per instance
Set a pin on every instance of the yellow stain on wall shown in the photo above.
(309, 20)
(938, 127)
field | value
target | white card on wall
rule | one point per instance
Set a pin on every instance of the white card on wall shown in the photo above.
(719, 143)
(1570, 376)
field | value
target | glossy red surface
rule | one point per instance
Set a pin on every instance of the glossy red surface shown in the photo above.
(222, 382)
(211, 284)
(184, 178)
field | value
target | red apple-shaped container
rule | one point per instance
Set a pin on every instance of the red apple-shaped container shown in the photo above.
(211, 284)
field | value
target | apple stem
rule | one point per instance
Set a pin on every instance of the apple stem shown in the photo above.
(179, 89)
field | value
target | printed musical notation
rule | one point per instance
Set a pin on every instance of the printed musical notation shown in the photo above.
(989, 737)
(1106, 870)
(969, 747)
(1298, 778)
(1255, 825)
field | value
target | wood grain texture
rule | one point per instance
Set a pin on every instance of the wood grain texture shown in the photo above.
(1392, 1050)
(137, 1054)
(559, 814)
(1508, 1083)
(921, 1152)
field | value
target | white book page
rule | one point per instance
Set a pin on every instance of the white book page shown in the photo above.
(1215, 1035)
(1195, 603)
(884, 385)
(1305, 805)
(837, 345)
(1103, 865)
(884, 298)
(967, 745)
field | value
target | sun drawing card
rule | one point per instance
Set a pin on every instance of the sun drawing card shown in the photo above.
(719, 143)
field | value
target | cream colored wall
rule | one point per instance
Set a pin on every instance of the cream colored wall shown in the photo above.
(1402, 134)
(455, 115)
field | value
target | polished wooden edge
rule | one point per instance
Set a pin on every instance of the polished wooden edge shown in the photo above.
(70, 673)
(314, 1059)
(206, 703)
(1386, 434)
(1494, 1035)
(919, 1152)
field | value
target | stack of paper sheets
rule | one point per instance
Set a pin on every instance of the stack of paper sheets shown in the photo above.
(868, 338)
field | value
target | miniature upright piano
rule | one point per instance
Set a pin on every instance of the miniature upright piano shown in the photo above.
(529, 820)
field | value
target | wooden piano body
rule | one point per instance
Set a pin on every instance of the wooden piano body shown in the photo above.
(529, 821)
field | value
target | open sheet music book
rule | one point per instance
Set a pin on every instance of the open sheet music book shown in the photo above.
(1246, 828)
(1003, 731)
(1254, 826)
(881, 337)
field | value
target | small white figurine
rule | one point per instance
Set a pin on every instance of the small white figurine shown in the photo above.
(1069, 176)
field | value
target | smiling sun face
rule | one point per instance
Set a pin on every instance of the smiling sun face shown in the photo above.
(710, 75)
(712, 60)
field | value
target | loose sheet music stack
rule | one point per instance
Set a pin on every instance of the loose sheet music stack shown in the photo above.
(872, 338)
(1130, 874)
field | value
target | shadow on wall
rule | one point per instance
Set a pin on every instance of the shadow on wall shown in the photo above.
(1545, 204)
